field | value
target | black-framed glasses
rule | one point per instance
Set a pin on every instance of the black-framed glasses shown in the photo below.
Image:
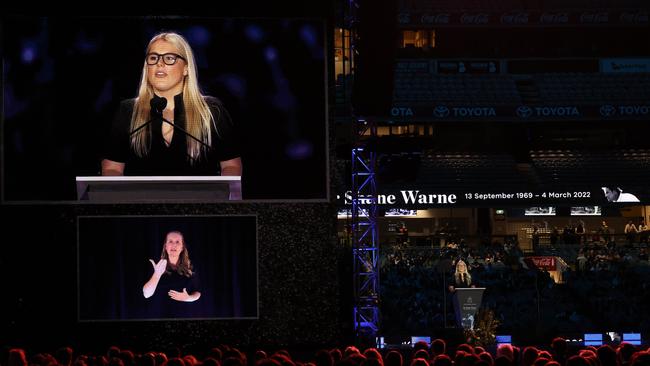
(168, 58)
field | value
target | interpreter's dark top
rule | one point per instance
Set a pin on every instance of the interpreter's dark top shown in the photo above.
(160, 305)
(172, 159)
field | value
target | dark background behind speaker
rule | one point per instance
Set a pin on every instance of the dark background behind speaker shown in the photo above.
(373, 79)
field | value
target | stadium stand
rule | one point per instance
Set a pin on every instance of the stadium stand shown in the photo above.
(593, 88)
(501, 90)
(456, 89)
(567, 168)
(437, 170)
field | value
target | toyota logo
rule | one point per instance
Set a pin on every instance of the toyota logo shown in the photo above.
(524, 111)
(607, 110)
(441, 111)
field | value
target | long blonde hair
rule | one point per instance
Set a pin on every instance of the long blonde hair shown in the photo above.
(184, 265)
(457, 273)
(198, 116)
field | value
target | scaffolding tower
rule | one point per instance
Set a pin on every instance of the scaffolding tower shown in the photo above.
(365, 240)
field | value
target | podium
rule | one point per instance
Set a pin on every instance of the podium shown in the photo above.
(155, 189)
(466, 304)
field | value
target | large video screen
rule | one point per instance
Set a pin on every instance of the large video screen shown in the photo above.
(167, 267)
(79, 102)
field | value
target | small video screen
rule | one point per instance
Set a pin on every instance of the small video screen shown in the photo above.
(400, 212)
(586, 211)
(539, 211)
(167, 268)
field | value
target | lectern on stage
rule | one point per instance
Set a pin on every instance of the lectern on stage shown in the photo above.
(159, 188)
(466, 304)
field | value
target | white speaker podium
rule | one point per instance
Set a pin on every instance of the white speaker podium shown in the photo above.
(155, 189)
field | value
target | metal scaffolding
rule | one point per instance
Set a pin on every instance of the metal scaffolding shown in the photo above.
(365, 240)
(364, 231)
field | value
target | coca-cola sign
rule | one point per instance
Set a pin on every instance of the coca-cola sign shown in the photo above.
(406, 18)
(477, 19)
(594, 18)
(441, 18)
(634, 18)
(554, 18)
(515, 18)
(543, 263)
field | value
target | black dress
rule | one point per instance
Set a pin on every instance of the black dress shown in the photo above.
(172, 159)
(461, 281)
(161, 306)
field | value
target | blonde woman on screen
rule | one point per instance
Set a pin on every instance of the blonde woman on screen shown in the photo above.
(170, 128)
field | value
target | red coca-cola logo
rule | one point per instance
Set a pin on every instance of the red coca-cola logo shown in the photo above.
(544, 262)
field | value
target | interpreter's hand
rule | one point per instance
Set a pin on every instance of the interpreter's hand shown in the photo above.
(179, 296)
(159, 268)
(451, 289)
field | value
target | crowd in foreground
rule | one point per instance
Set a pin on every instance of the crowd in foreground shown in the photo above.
(421, 354)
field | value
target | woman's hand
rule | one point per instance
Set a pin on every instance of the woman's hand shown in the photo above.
(160, 267)
(184, 296)
(113, 168)
(451, 289)
(231, 167)
(179, 296)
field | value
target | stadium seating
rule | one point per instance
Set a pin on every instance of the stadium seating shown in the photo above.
(566, 168)
(457, 89)
(465, 171)
(501, 89)
(593, 88)
(555, 169)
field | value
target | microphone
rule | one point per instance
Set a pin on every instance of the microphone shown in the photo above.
(158, 105)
